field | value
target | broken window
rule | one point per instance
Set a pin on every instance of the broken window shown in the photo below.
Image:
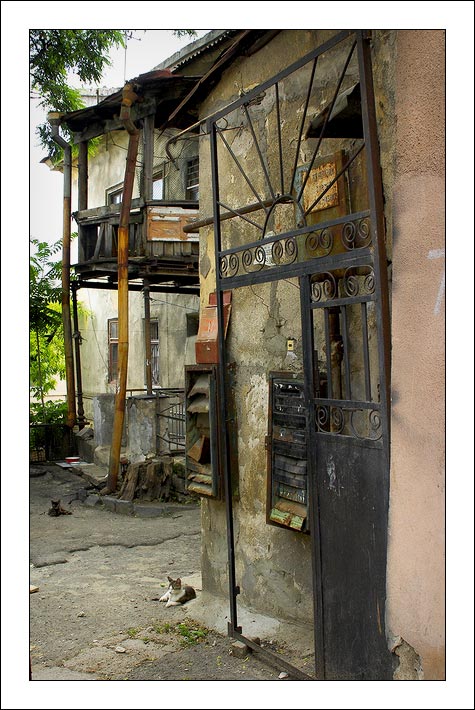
(113, 340)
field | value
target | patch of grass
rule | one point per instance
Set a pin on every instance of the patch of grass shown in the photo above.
(132, 632)
(165, 628)
(191, 635)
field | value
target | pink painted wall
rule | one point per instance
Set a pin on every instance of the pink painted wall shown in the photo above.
(416, 562)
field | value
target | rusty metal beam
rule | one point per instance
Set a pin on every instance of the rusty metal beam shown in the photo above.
(54, 120)
(148, 342)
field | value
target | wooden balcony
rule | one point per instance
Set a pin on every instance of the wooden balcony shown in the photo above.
(159, 249)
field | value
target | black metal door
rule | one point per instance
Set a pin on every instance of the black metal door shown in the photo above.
(348, 470)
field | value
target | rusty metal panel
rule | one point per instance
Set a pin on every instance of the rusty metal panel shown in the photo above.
(206, 344)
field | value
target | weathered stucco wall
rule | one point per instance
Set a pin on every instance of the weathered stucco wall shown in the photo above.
(106, 169)
(415, 583)
(169, 309)
(273, 565)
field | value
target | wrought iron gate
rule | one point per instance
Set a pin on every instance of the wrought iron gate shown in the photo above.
(274, 230)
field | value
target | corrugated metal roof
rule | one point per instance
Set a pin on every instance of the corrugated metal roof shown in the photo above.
(194, 49)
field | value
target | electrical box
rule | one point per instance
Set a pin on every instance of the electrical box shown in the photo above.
(287, 489)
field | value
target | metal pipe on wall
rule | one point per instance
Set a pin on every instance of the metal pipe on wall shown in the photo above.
(148, 341)
(128, 98)
(54, 119)
(77, 352)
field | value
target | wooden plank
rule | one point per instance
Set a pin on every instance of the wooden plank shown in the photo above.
(100, 239)
(200, 488)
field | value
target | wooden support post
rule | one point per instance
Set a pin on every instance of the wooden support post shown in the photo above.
(123, 312)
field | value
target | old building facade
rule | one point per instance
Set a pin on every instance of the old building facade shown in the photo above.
(321, 250)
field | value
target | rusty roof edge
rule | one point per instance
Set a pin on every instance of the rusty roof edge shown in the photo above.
(193, 49)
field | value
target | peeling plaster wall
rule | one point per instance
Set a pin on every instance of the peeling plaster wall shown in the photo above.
(273, 565)
(416, 564)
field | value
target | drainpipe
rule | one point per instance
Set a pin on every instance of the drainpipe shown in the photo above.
(148, 340)
(54, 119)
(128, 98)
(77, 352)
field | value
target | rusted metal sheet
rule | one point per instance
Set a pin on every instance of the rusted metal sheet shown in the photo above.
(206, 344)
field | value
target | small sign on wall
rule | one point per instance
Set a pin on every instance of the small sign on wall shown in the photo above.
(318, 180)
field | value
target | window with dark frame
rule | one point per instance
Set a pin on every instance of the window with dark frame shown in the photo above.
(113, 340)
(193, 179)
(114, 197)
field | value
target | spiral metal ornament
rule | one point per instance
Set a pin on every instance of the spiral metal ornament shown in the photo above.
(364, 232)
(322, 417)
(326, 240)
(326, 289)
(337, 420)
(311, 244)
(229, 266)
(369, 282)
(372, 424)
(375, 422)
(348, 235)
(350, 284)
(290, 250)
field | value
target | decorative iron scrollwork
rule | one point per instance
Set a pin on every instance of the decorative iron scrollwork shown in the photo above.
(319, 243)
(358, 281)
(356, 234)
(359, 423)
(315, 244)
(325, 289)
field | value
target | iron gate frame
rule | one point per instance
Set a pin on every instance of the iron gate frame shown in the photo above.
(303, 271)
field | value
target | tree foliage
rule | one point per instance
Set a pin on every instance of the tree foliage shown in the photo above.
(46, 335)
(55, 53)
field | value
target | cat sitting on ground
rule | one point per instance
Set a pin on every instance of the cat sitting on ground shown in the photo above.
(177, 593)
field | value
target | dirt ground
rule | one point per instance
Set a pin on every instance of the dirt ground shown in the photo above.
(95, 615)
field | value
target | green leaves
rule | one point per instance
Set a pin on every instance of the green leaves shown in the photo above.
(55, 53)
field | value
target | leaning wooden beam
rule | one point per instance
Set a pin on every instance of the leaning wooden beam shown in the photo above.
(123, 290)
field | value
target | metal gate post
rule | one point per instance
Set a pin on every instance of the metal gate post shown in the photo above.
(375, 193)
(309, 384)
(223, 448)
